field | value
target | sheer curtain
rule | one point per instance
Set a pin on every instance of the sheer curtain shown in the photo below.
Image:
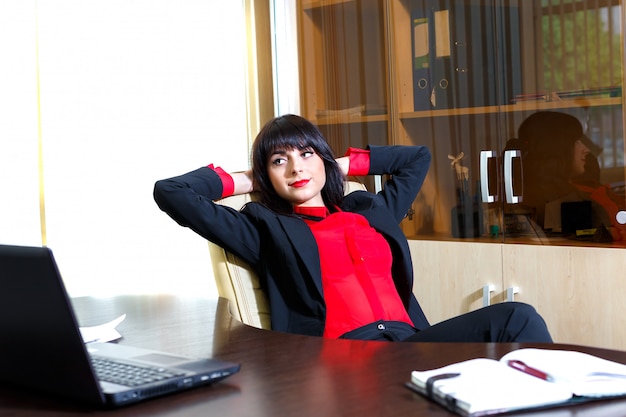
(99, 99)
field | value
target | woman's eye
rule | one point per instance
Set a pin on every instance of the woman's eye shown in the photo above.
(307, 154)
(278, 161)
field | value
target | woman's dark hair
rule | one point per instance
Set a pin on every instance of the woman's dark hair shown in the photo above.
(550, 136)
(285, 133)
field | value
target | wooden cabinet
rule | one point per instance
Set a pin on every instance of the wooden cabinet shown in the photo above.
(490, 64)
(452, 278)
(579, 291)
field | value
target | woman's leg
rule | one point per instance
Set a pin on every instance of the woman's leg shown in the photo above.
(503, 322)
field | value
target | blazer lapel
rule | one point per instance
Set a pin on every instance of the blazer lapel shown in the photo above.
(305, 247)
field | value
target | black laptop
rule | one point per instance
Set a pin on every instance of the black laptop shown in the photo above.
(41, 348)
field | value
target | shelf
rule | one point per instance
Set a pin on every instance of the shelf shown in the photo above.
(523, 106)
(449, 112)
(519, 240)
(562, 104)
(312, 4)
(351, 119)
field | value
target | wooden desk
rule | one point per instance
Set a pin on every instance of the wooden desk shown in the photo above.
(281, 374)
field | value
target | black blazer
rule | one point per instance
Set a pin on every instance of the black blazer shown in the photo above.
(282, 249)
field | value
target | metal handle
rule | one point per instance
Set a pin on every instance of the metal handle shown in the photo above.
(487, 290)
(484, 176)
(510, 293)
(508, 176)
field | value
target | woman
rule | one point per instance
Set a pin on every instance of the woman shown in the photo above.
(332, 266)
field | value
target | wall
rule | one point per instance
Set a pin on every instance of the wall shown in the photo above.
(99, 99)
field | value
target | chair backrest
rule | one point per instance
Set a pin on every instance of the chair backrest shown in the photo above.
(237, 282)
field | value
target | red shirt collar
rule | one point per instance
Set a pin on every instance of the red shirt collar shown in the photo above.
(320, 212)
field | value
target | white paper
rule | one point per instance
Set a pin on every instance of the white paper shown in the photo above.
(584, 374)
(103, 333)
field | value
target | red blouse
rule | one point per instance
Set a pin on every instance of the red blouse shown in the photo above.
(356, 272)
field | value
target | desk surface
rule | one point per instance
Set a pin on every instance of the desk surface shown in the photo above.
(281, 374)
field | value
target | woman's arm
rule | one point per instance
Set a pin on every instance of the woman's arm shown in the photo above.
(189, 200)
(344, 164)
(242, 182)
(407, 167)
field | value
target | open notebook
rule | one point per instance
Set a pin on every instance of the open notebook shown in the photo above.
(522, 379)
(41, 348)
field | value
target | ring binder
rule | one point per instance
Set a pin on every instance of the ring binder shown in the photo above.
(421, 59)
(450, 39)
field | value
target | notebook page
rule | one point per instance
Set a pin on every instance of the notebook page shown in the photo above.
(584, 374)
(485, 384)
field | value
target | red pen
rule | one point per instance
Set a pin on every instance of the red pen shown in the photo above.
(521, 366)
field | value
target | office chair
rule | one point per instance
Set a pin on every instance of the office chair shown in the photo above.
(237, 282)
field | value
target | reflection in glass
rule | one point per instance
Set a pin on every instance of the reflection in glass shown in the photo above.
(562, 184)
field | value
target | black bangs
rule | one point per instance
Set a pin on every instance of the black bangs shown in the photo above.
(285, 134)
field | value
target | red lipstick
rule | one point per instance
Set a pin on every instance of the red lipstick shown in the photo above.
(300, 183)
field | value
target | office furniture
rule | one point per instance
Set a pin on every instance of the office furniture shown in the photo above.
(237, 282)
(357, 62)
(578, 290)
(281, 374)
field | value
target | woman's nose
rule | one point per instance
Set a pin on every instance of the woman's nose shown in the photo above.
(582, 147)
(296, 166)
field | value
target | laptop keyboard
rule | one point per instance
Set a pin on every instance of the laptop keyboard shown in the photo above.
(129, 375)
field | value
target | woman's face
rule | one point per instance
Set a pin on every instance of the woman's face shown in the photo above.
(580, 155)
(298, 176)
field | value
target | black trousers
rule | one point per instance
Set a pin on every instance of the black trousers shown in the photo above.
(503, 322)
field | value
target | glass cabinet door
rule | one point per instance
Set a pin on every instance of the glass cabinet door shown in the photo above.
(343, 52)
(519, 101)
(521, 104)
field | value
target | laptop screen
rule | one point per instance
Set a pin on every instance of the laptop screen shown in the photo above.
(41, 346)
